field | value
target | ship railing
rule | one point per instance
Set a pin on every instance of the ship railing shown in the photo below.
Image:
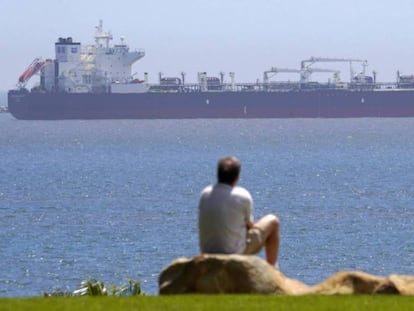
(225, 87)
(140, 51)
(282, 86)
(175, 88)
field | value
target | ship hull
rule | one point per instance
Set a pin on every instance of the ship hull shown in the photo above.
(293, 104)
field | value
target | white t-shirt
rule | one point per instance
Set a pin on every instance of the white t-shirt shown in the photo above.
(223, 213)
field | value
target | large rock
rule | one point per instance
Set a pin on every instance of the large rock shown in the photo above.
(226, 274)
(404, 284)
(356, 282)
(215, 274)
(351, 282)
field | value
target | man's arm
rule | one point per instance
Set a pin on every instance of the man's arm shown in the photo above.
(249, 211)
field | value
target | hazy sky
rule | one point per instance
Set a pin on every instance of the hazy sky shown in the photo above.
(244, 36)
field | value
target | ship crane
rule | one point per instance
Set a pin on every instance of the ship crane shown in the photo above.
(306, 73)
(33, 68)
(312, 60)
(276, 70)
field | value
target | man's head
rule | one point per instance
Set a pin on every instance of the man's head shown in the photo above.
(228, 170)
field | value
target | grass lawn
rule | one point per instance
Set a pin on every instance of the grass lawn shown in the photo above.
(211, 303)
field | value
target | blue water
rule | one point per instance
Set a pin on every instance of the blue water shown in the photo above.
(114, 200)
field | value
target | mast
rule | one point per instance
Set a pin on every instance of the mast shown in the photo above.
(102, 36)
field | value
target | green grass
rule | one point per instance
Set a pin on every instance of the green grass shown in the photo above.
(211, 303)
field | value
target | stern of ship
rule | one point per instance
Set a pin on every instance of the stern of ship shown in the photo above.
(17, 103)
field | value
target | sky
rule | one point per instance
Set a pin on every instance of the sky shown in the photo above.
(242, 36)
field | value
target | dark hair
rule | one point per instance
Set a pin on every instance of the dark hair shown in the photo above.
(228, 170)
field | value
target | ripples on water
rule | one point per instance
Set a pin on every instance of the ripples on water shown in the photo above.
(117, 199)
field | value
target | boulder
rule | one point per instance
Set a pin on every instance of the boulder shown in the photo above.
(404, 284)
(350, 282)
(357, 282)
(219, 274)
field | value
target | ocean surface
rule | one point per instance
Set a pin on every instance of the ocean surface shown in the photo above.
(114, 200)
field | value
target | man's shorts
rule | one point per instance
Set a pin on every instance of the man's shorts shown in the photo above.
(254, 241)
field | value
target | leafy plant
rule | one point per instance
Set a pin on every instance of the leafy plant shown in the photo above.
(94, 287)
(133, 288)
(91, 288)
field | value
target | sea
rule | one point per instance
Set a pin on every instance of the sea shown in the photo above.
(115, 200)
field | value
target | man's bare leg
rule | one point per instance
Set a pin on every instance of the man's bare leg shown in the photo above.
(270, 225)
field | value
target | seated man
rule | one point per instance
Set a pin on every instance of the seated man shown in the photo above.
(225, 218)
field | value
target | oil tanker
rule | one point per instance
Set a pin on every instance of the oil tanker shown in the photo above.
(95, 82)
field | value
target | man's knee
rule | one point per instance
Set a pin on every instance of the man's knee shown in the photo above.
(276, 221)
(269, 223)
(272, 220)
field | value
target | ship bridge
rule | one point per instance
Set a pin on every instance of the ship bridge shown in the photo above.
(114, 62)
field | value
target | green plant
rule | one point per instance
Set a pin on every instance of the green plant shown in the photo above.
(94, 287)
(132, 288)
(91, 288)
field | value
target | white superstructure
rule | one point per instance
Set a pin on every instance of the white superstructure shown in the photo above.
(100, 67)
